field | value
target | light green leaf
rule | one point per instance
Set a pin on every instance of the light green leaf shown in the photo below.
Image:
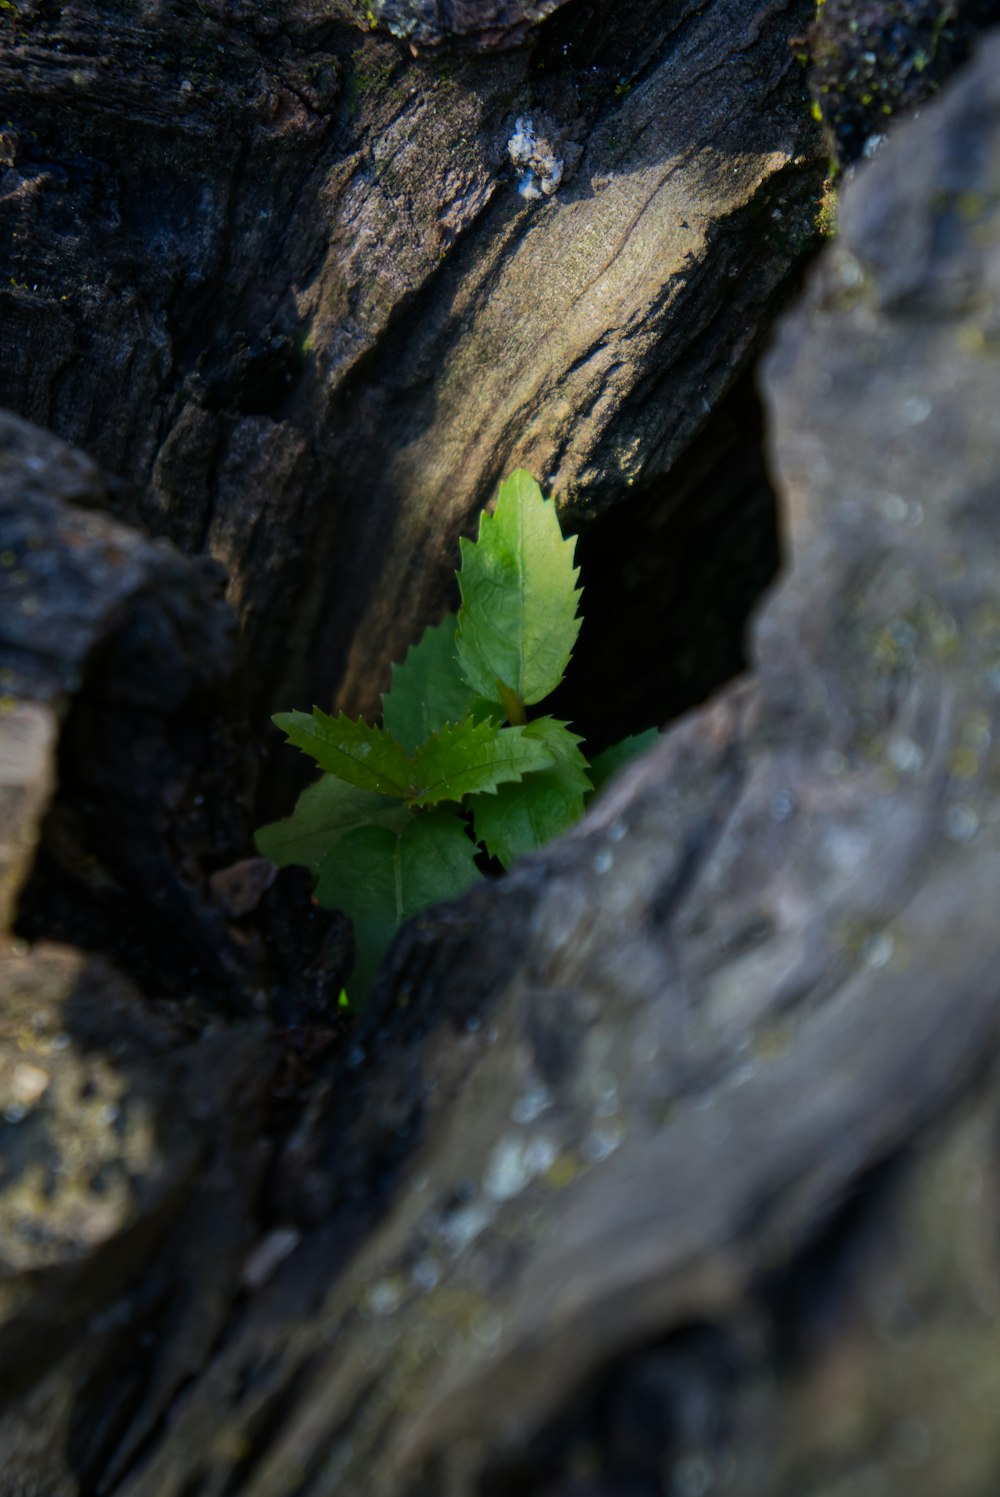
(367, 757)
(428, 690)
(521, 818)
(517, 624)
(381, 877)
(606, 764)
(472, 759)
(323, 814)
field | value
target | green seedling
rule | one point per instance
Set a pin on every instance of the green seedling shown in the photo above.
(405, 812)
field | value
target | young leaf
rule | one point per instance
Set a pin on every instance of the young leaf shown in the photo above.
(521, 818)
(474, 758)
(381, 877)
(367, 757)
(517, 624)
(606, 764)
(324, 813)
(428, 689)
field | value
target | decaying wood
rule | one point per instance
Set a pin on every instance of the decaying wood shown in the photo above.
(264, 262)
(638, 1082)
(669, 1161)
(430, 22)
(132, 645)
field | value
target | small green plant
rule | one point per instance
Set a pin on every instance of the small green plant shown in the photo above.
(457, 768)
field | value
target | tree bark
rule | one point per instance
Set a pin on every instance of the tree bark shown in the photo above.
(277, 273)
(666, 1163)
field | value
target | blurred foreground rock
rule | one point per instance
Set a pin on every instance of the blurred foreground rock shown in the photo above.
(120, 1137)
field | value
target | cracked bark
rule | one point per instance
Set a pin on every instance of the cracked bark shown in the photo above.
(667, 1163)
(262, 265)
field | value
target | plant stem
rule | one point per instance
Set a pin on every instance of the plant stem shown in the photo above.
(512, 705)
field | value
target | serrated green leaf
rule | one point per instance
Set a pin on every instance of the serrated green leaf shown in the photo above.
(473, 759)
(381, 877)
(606, 764)
(324, 813)
(517, 624)
(428, 690)
(521, 818)
(484, 711)
(367, 757)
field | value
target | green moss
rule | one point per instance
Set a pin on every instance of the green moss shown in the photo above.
(365, 12)
(826, 212)
(873, 61)
(363, 81)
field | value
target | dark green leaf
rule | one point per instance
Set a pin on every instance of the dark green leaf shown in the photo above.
(607, 763)
(474, 758)
(428, 690)
(517, 624)
(381, 877)
(323, 814)
(484, 711)
(367, 757)
(521, 818)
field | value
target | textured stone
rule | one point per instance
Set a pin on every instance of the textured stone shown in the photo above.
(875, 59)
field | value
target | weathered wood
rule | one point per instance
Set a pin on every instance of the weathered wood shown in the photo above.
(762, 968)
(430, 22)
(633, 1178)
(670, 1118)
(278, 273)
(121, 769)
(128, 646)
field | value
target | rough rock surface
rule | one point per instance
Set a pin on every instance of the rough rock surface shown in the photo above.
(872, 60)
